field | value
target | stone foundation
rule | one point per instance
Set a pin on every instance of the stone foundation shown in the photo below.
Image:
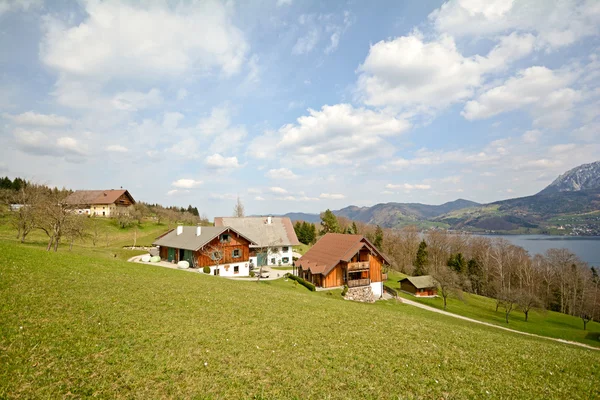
(363, 294)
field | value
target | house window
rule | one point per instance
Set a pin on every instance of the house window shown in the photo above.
(285, 260)
(216, 255)
(236, 269)
(236, 253)
(225, 237)
(103, 212)
(216, 271)
(285, 249)
(273, 261)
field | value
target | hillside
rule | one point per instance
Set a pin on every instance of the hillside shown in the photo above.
(74, 325)
(391, 215)
(584, 177)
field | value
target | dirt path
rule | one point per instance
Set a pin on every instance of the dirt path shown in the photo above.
(425, 307)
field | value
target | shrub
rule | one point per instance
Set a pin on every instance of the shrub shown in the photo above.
(304, 283)
(344, 290)
(252, 274)
(206, 270)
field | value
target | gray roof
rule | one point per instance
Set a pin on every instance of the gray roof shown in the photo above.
(188, 240)
(280, 232)
(421, 282)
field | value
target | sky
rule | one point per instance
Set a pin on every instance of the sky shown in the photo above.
(299, 105)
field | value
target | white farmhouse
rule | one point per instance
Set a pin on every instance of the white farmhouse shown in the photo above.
(274, 238)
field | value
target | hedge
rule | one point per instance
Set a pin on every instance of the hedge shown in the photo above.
(301, 281)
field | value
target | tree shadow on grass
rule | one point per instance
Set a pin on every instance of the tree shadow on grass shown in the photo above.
(593, 336)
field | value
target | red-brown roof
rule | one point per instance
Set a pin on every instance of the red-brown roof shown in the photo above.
(87, 197)
(333, 248)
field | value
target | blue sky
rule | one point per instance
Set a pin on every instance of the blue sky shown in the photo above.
(299, 105)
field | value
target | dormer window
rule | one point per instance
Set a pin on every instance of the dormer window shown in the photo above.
(225, 238)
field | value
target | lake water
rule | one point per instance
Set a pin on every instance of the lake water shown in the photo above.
(586, 247)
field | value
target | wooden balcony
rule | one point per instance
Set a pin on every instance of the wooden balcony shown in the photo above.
(358, 282)
(358, 266)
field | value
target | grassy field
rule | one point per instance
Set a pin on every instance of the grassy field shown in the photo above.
(544, 323)
(76, 324)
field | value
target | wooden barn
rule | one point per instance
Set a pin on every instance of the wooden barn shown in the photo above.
(421, 286)
(337, 260)
(223, 249)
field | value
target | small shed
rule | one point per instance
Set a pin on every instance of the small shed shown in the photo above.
(421, 286)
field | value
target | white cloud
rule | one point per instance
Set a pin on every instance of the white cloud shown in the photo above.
(538, 89)
(227, 138)
(286, 198)
(284, 3)
(42, 144)
(555, 23)
(332, 196)
(562, 148)
(428, 157)
(134, 101)
(259, 198)
(306, 43)
(19, 5)
(176, 191)
(223, 196)
(281, 173)
(588, 132)
(182, 94)
(171, 120)
(452, 179)
(186, 183)
(279, 190)
(532, 136)
(117, 148)
(408, 186)
(423, 75)
(338, 134)
(217, 161)
(35, 119)
(254, 190)
(117, 39)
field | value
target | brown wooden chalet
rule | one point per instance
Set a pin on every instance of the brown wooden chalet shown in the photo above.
(420, 286)
(223, 249)
(338, 259)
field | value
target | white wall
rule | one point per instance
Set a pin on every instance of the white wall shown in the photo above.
(377, 289)
(278, 254)
(244, 269)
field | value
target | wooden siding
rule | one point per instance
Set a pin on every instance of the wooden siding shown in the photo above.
(123, 200)
(375, 268)
(239, 243)
(408, 287)
(335, 277)
(163, 253)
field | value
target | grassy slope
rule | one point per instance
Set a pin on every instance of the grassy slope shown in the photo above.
(76, 325)
(545, 323)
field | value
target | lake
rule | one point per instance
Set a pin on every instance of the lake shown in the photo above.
(586, 247)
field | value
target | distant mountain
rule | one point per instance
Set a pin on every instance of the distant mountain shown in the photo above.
(390, 214)
(584, 177)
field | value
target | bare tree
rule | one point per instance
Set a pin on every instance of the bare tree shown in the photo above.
(526, 301)
(509, 299)
(53, 217)
(94, 227)
(75, 228)
(215, 252)
(29, 198)
(447, 281)
(238, 210)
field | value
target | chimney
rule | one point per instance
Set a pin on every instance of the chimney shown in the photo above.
(198, 230)
(179, 229)
(269, 220)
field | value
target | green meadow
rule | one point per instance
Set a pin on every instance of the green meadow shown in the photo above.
(88, 324)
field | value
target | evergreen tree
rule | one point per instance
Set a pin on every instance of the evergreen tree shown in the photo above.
(422, 259)
(354, 228)
(378, 239)
(329, 222)
(458, 263)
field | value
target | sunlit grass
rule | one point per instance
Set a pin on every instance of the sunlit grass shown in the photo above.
(81, 324)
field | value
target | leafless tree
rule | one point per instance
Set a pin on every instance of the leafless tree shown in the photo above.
(75, 228)
(29, 198)
(238, 210)
(508, 299)
(526, 300)
(447, 281)
(53, 217)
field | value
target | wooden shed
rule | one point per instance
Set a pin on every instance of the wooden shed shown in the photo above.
(421, 286)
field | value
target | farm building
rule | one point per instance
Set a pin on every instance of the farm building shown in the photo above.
(421, 286)
(104, 203)
(223, 249)
(274, 238)
(337, 260)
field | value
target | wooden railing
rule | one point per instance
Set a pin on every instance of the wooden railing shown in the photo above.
(358, 266)
(358, 282)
